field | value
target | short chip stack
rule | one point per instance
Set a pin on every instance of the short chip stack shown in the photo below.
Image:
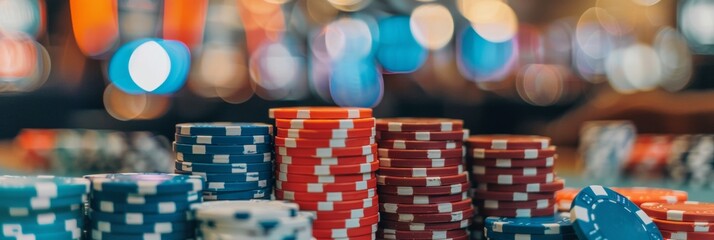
(143, 205)
(513, 177)
(235, 158)
(682, 221)
(326, 163)
(638, 195)
(42, 207)
(422, 183)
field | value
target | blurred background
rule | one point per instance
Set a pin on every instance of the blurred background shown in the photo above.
(622, 86)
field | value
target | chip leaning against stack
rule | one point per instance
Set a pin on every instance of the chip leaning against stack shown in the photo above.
(42, 207)
(143, 205)
(326, 159)
(234, 158)
(421, 182)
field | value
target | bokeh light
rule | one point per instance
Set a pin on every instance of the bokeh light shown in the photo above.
(356, 83)
(221, 71)
(25, 16)
(125, 107)
(184, 21)
(494, 20)
(150, 65)
(696, 21)
(399, 51)
(432, 25)
(635, 67)
(319, 66)
(348, 38)
(350, 5)
(24, 64)
(675, 57)
(277, 71)
(481, 60)
(95, 26)
(541, 84)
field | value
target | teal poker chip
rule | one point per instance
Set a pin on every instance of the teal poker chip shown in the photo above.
(224, 168)
(224, 129)
(42, 223)
(43, 186)
(158, 227)
(556, 224)
(131, 198)
(223, 140)
(146, 183)
(180, 235)
(139, 218)
(224, 158)
(150, 207)
(222, 149)
(241, 195)
(519, 236)
(72, 234)
(41, 203)
(23, 212)
(237, 186)
(598, 212)
(231, 177)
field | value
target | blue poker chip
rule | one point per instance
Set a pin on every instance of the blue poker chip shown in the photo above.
(598, 212)
(237, 186)
(222, 149)
(231, 177)
(131, 198)
(520, 236)
(41, 203)
(224, 168)
(556, 224)
(180, 235)
(159, 227)
(224, 158)
(43, 186)
(152, 207)
(223, 140)
(23, 212)
(139, 218)
(242, 195)
(145, 183)
(224, 129)
(71, 234)
(42, 223)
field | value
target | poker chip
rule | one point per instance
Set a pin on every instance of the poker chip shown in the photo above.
(221, 149)
(527, 171)
(145, 183)
(326, 133)
(223, 167)
(310, 161)
(517, 236)
(420, 163)
(426, 208)
(429, 217)
(511, 196)
(421, 145)
(687, 235)
(639, 195)
(347, 223)
(338, 206)
(557, 184)
(159, 227)
(564, 198)
(236, 186)
(429, 154)
(224, 129)
(327, 152)
(71, 234)
(322, 143)
(223, 140)
(325, 123)
(423, 199)
(137, 218)
(344, 232)
(230, 177)
(96, 234)
(410, 226)
(324, 196)
(43, 186)
(512, 179)
(515, 154)
(499, 204)
(508, 142)
(41, 223)
(6, 212)
(263, 193)
(422, 181)
(131, 198)
(345, 214)
(458, 135)
(387, 233)
(679, 226)
(419, 124)
(301, 178)
(319, 113)
(329, 169)
(435, 190)
(224, 158)
(557, 224)
(326, 187)
(421, 172)
(594, 208)
(508, 163)
(520, 212)
(684, 211)
(149, 207)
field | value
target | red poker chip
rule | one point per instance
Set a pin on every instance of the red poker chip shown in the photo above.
(319, 112)
(677, 226)
(344, 232)
(327, 152)
(423, 181)
(430, 153)
(325, 123)
(346, 214)
(320, 143)
(421, 172)
(564, 198)
(326, 196)
(511, 196)
(346, 223)
(429, 217)
(423, 199)
(685, 211)
(326, 133)
(310, 161)
(687, 235)
(511, 179)
(419, 124)
(508, 142)
(519, 212)
(509, 163)
(425, 226)
(526, 171)
(410, 144)
(420, 163)
(301, 178)
(370, 236)
(515, 154)
(321, 170)
(556, 185)
(323, 206)
(532, 204)
(426, 208)
(386, 233)
(436, 190)
(326, 187)
(459, 135)
(640, 195)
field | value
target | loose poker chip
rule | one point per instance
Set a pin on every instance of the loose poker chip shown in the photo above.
(326, 196)
(594, 209)
(421, 199)
(158, 207)
(221, 149)
(518, 236)
(509, 163)
(511, 179)
(146, 183)
(387, 233)
(223, 140)
(224, 129)
(419, 124)
(425, 226)
(319, 112)
(236, 186)
(423, 181)
(425, 136)
(329, 169)
(426, 208)
(328, 152)
(325, 123)
(326, 187)
(498, 204)
(429, 217)
(520, 212)
(640, 195)
(511, 196)
(130, 198)
(138, 218)
(421, 172)
(345, 214)
(344, 232)
(409, 144)
(430, 153)
(41, 203)
(324, 206)
(327, 133)
(687, 235)
(508, 142)
(241, 195)
(557, 184)
(301, 178)
(557, 224)
(420, 163)
(678, 226)
(685, 211)
(224, 158)
(159, 227)
(43, 186)
(223, 167)
(435, 190)
(346, 223)
(514, 154)
(321, 143)
(231, 177)
(527, 171)
(96, 234)
(310, 161)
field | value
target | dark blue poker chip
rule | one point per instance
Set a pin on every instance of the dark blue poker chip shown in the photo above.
(241, 195)
(556, 224)
(180, 235)
(224, 168)
(237, 186)
(223, 140)
(145, 183)
(160, 227)
(222, 149)
(224, 158)
(142, 199)
(138, 218)
(162, 207)
(224, 129)
(231, 177)
(518, 236)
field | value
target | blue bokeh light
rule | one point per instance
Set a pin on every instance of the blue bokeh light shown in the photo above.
(399, 51)
(481, 60)
(179, 60)
(356, 83)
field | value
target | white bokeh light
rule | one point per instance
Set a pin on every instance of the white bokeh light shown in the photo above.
(149, 66)
(432, 25)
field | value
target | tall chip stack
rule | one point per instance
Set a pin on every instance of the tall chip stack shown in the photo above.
(326, 163)
(423, 188)
(143, 205)
(236, 159)
(42, 207)
(513, 178)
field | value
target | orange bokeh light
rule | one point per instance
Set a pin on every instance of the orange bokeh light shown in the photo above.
(184, 21)
(95, 25)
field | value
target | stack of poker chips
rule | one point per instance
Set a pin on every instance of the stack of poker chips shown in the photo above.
(42, 207)
(682, 221)
(255, 219)
(423, 187)
(513, 176)
(638, 195)
(143, 205)
(557, 226)
(326, 163)
(234, 158)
